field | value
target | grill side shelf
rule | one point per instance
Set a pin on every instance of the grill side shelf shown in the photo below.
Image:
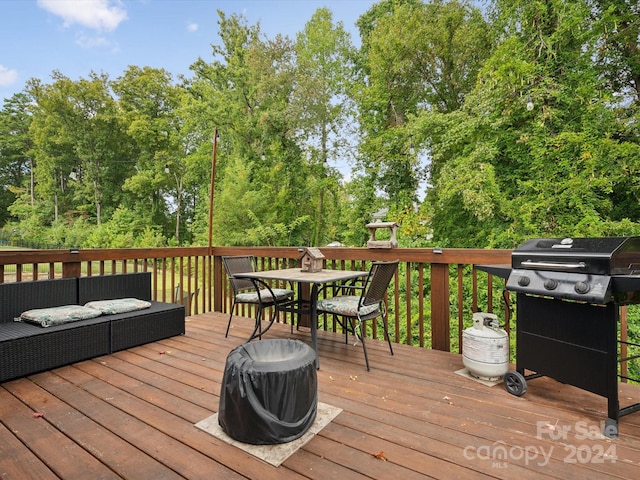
(500, 270)
(626, 283)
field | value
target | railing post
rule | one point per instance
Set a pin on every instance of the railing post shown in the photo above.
(73, 268)
(217, 283)
(440, 311)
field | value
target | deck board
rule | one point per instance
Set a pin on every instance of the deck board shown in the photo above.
(131, 415)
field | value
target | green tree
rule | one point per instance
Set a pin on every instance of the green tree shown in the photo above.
(537, 149)
(150, 103)
(325, 113)
(76, 130)
(618, 56)
(246, 91)
(415, 58)
(16, 160)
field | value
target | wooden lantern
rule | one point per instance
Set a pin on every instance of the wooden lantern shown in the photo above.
(391, 243)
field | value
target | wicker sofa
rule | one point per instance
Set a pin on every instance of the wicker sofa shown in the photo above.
(26, 348)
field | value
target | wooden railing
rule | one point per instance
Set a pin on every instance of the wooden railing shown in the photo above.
(430, 301)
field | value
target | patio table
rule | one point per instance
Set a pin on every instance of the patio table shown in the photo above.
(315, 280)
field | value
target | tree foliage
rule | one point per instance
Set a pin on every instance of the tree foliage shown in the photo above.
(324, 112)
(537, 148)
(474, 128)
(16, 160)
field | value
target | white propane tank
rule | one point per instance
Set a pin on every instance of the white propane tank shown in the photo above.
(485, 348)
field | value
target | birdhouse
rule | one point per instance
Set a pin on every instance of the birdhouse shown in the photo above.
(391, 243)
(311, 260)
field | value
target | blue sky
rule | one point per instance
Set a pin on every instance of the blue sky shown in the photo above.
(80, 36)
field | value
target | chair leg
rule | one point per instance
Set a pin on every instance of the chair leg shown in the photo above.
(233, 306)
(258, 326)
(228, 325)
(345, 327)
(355, 329)
(292, 319)
(349, 326)
(386, 332)
(364, 346)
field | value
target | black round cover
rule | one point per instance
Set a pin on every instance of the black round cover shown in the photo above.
(269, 392)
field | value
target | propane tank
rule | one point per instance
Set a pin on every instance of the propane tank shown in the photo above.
(485, 348)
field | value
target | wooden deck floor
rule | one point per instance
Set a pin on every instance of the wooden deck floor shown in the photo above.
(131, 415)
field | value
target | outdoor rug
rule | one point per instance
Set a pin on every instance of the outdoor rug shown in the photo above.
(273, 454)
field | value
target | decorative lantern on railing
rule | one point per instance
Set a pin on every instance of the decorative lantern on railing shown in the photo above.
(391, 243)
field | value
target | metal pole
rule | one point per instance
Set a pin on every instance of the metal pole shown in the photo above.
(213, 185)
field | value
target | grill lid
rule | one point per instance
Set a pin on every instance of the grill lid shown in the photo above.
(597, 256)
(582, 269)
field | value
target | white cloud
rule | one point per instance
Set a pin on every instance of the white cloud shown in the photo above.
(8, 76)
(101, 15)
(192, 27)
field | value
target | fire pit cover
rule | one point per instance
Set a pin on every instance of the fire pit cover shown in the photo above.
(269, 392)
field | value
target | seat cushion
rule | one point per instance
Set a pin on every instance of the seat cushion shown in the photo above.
(346, 305)
(47, 317)
(118, 305)
(252, 297)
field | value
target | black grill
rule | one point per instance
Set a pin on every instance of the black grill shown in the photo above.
(567, 296)
(580, 269)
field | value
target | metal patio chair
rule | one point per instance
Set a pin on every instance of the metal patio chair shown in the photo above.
(253, 292)
(355, 309)
(186, 300)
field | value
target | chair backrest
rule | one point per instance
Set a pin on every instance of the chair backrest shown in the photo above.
(236, 265)
(377, 282)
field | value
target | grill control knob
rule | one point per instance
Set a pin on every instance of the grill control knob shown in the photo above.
(524, 281)
(582, 287)
(550, 284)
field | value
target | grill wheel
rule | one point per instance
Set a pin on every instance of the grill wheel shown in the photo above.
(515, 383)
